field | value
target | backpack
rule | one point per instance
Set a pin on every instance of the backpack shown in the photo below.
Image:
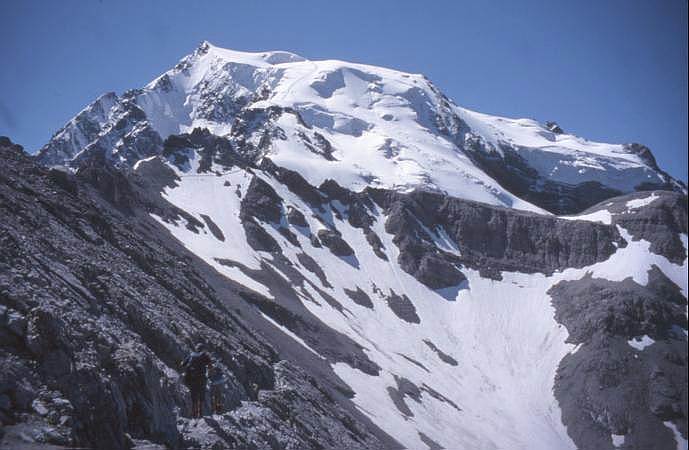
(194, 367)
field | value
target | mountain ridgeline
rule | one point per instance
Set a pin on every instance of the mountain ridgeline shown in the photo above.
(371, 266)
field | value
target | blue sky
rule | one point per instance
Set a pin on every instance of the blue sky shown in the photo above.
(612, 70)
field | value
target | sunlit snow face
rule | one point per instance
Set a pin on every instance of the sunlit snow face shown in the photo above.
(385, 128)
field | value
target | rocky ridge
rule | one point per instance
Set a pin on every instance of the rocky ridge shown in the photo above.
(98, 307)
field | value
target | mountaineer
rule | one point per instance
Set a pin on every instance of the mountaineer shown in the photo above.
(194, 367)
(217, 380)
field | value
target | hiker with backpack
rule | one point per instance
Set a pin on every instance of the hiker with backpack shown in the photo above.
(217, 382)
(195, 366)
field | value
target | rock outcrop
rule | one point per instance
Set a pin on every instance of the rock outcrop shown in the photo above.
(98, 306)
(610, 386)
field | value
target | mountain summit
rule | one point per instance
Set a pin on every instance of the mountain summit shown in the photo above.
(370, 265)
(360, 126)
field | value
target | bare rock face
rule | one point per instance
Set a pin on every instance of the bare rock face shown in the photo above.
(98, 306)
(554, 127)
(402, 307)
(357, 206)
(258, 238)
(437, 273)
(262, 202)
(490, 239)
(114, 128)
(110, 182)
(294, 182)
(660, 222)
(209, 147)
(296, 217)
(610, 387)
(376, 244)
(334, 242)
(360, 297)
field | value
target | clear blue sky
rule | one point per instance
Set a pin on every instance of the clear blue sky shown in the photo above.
(611, 70)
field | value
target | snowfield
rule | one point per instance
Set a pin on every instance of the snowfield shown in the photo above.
(502, 334)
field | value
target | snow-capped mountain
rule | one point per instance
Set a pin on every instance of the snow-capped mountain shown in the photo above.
(360, 126)
(437, 273)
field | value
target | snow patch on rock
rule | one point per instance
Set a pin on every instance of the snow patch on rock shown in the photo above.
(641, 342)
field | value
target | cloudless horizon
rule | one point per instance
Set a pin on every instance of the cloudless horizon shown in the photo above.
(613, 71)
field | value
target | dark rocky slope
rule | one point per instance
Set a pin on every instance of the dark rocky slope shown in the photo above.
(98, 305)
(608, 387)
